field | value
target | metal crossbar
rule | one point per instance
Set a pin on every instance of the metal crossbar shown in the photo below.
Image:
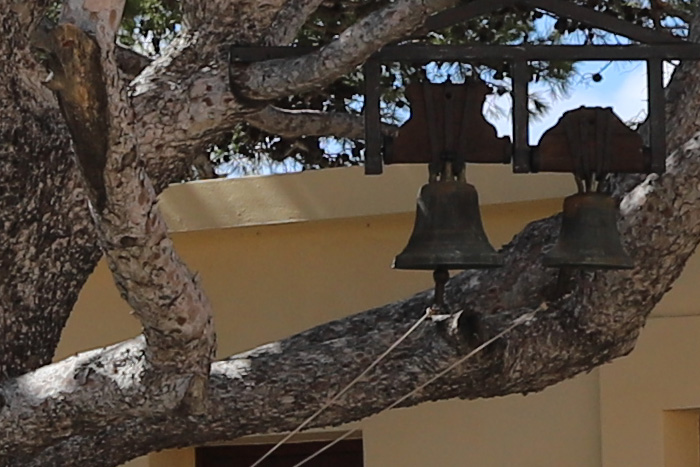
(428, 52)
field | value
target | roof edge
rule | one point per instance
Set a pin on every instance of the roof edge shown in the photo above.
(334, 194)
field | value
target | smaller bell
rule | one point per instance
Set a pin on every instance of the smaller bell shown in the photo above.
(589, 237)
(448, 233)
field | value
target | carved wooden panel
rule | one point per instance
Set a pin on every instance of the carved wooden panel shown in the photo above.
(591, 140)
(447, 119)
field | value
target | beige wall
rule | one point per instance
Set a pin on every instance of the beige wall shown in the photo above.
(654, 389)
(278, 255)
(557, 427)
(259, 278)
(335, 194)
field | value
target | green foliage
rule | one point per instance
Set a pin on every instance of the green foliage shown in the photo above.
(148, 25)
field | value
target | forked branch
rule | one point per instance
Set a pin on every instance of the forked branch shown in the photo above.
(165, 295)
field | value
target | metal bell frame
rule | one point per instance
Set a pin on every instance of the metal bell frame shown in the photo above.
(651, 45)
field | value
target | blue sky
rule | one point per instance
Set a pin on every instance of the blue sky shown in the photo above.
(623, 88)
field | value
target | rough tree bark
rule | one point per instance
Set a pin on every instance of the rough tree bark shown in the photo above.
(65, 201)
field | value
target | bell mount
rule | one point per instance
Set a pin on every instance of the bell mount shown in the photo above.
(648, 44)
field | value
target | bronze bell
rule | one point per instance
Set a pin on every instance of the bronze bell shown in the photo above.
(448, 233)
(589, 237)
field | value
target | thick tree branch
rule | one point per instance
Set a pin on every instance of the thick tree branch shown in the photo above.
(69, 383)
(27, 13)
(598, 320)
(165, 295)
(595, 320)
(187, 114)
(220, 17)
(295, 123)
(39, 251)
(681, 109)
(184, 108)
(190, 107)
(180, 118)
(277, 21)
(289, 20)
(275, 78)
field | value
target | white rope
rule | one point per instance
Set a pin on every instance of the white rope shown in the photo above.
(340, 393)
(517, 322)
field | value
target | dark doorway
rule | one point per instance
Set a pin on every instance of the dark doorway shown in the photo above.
(346, 453)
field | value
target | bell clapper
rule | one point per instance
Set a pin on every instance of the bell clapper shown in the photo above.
(440, 276)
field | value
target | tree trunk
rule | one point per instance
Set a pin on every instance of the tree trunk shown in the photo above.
(110, 405)
(47, 241)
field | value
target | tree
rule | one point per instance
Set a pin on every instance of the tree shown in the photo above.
(88, 134)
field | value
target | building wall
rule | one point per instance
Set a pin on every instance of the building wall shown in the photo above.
(558, 427)
(278, 255)
(649, 399)
(302, 257)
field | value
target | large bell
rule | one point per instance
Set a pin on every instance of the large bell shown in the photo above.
(448, 232)
(589, 236)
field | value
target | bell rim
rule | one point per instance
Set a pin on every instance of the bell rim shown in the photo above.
(430, 264)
